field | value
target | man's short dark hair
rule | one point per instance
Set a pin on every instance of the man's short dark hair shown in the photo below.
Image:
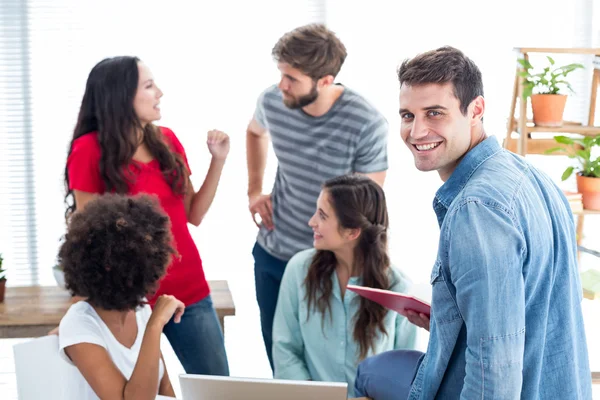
(115, 251)
(441, 66)
(313, 49)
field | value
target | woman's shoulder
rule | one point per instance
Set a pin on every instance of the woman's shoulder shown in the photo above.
(171, 138)
(168, 132)
(301, 260)
(297, 266)
(80, 311)
(87, 141)
(81, 323)
(169, 135)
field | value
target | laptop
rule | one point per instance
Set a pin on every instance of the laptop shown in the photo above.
(206, 387)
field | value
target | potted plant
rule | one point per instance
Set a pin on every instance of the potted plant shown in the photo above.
(547, 104)
(2, 280)
(588, 167)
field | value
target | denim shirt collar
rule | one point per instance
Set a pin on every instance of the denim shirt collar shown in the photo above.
(461, 175)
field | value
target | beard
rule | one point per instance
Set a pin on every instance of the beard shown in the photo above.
(302, 101)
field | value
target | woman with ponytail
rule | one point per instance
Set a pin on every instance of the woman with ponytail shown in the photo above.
(321, 330)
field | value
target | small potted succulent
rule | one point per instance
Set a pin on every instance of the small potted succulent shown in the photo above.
(2, 280)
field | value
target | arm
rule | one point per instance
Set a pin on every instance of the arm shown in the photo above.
(485, 250)
(371, 155)
(83, 166)
(198, 203)
(257, 146)
(107, 381)
(288, 344)
(165, 388)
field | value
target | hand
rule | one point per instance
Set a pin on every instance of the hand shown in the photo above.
(166, 307)
(419, 319)
(53, 332)
(218, 144)
(261, 205)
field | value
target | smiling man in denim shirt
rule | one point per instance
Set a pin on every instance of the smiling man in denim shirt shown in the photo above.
(506, 319)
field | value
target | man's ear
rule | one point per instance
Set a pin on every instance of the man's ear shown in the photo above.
(478, 109)
(325, 81)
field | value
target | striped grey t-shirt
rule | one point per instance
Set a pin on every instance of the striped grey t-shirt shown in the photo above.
(350, 137)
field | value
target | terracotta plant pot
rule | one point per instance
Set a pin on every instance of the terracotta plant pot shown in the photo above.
(590, 192)
(548, 109)
(2, 289)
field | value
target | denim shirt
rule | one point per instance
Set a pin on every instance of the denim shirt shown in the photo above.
(307, 346)
(506, 318)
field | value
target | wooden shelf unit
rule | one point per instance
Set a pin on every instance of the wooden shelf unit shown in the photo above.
(519, 135)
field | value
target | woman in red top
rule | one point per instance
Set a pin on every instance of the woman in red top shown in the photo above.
(117, 148)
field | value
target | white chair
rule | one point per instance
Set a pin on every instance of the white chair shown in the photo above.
(42, 373)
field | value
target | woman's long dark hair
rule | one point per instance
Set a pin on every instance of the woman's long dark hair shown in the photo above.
(358, 202)
(107, 108)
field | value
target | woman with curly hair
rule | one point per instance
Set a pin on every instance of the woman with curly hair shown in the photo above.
(322, 331)
(116, 148)
(114, 253)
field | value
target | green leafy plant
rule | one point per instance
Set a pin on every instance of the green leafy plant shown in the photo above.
(581, 150)
(549, 81)
(2, 270)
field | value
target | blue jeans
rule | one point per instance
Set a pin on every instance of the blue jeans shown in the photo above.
(198, 340)
(268, 272)
(388, 375)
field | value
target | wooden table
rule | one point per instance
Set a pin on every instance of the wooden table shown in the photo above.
(33, 311)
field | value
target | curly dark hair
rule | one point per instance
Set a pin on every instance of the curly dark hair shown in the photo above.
(116, 250)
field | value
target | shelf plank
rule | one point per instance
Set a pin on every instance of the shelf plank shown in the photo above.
(534, 146)
(586, 212)
(559, 50)
(578, 129)
(565, 123)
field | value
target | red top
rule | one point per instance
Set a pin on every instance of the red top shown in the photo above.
(185, 277)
